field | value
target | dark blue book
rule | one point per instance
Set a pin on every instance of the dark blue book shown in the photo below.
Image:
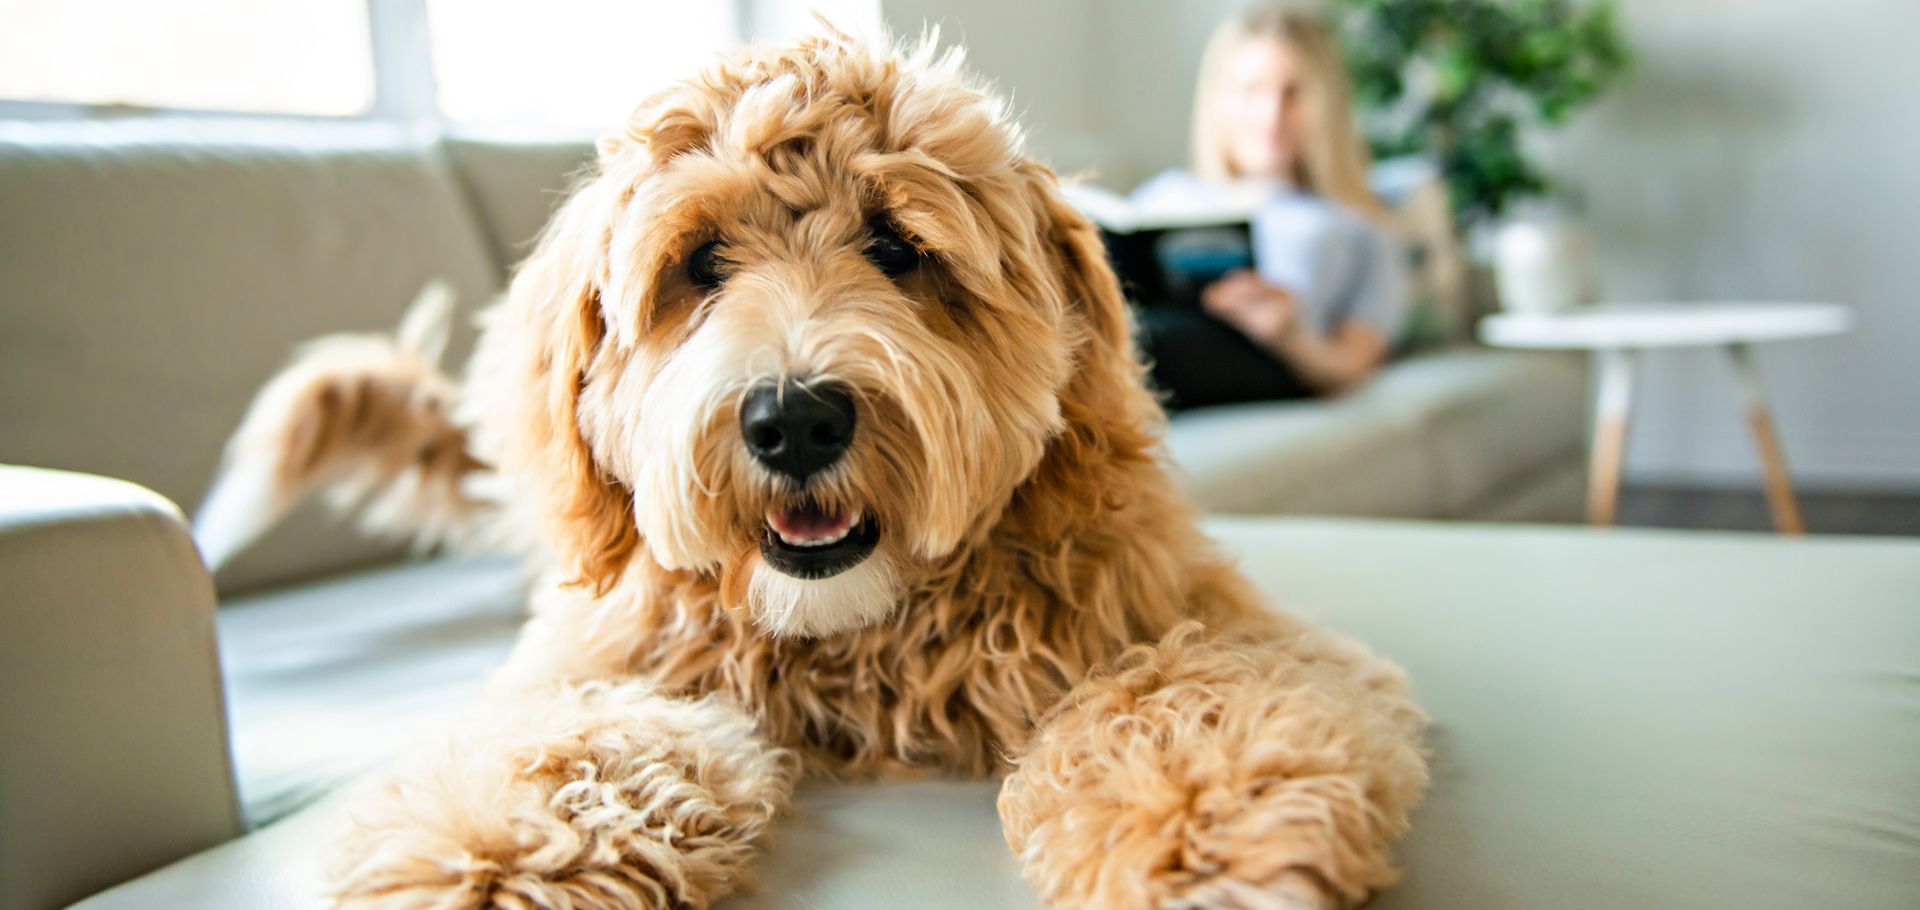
(1164, 256)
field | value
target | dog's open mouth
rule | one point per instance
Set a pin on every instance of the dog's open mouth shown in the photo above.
(808, 540)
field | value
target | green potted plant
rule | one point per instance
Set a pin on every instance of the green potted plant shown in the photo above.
(1462, 82)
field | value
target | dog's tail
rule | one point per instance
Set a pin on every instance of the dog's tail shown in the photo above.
(367, 419)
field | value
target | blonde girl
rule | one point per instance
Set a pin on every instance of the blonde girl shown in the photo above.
(1317, 313)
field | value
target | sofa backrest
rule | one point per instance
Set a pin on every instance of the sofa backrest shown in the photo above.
(154, 273)
(514, 185)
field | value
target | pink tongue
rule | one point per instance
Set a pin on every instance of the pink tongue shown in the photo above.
(809, 522)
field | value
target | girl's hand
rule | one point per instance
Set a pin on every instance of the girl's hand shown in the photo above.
(1262, 312)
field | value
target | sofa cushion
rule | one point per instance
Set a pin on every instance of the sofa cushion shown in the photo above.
(1632, 717)
(1490, 416)
(1621, 718)
(155, 274)
(515, 184)
(326, 681)
(1343, 457)
(1554, 494)
(1433, 436)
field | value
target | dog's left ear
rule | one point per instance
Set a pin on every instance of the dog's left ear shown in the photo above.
(1106, 401)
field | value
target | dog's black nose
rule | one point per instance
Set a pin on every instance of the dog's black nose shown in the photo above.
(798, 430)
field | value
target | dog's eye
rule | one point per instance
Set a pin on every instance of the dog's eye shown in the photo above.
(890, 252)
(703, 267)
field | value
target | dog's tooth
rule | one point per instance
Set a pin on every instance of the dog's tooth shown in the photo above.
(774, 521)
(815, 541)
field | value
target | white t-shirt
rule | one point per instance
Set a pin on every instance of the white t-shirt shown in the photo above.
(1337, 264)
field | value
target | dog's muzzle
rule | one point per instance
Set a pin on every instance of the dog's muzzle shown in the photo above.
(800, 430)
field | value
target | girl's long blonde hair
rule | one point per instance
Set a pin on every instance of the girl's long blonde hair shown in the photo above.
(1333, 162)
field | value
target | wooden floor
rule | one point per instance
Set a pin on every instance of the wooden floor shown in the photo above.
(1746, 510)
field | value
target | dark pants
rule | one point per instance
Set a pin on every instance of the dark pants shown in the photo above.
(1197, 361)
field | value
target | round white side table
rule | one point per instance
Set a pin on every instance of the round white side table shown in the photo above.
(1618, 332)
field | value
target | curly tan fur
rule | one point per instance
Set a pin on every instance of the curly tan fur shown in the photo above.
(1209, 771)
(369, 418)
(1042, 602)
(602, 794)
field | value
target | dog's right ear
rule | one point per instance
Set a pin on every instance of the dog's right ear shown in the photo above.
(541, 350)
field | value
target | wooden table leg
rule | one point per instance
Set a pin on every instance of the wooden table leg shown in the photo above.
(1773, 461)
(1609, 434)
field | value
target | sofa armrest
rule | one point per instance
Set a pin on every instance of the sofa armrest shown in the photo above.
(113, 736)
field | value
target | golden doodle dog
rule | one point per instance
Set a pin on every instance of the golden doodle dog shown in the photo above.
(818, 404)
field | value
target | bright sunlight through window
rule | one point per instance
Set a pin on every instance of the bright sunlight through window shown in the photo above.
(306, 57)
(573, 63)
(562, 65)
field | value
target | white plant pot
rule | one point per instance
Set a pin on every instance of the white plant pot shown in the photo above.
(1542, 266)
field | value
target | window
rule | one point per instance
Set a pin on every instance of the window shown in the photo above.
(569, 63)
(572, 65)
(309, 57)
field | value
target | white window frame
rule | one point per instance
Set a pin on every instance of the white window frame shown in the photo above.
(403, 85)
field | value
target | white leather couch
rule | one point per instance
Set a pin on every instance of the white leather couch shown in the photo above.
(1622, 719)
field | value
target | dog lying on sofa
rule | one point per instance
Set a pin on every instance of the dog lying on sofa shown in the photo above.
(816, 408)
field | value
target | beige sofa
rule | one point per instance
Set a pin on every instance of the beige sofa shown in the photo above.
(154, 273)
(1621, 719)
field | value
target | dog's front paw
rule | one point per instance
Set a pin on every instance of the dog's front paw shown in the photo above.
(592, 796)
(1293, 889)
(1224, 849)
(1212, 774)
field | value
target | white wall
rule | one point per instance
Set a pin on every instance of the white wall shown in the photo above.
(1101, 85)
(1769, 149)
(1044, 54)
(1762, 148)
(1152, 52)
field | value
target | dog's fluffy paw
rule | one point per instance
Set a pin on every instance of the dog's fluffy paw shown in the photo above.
(1295, 889)
(590, 797)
